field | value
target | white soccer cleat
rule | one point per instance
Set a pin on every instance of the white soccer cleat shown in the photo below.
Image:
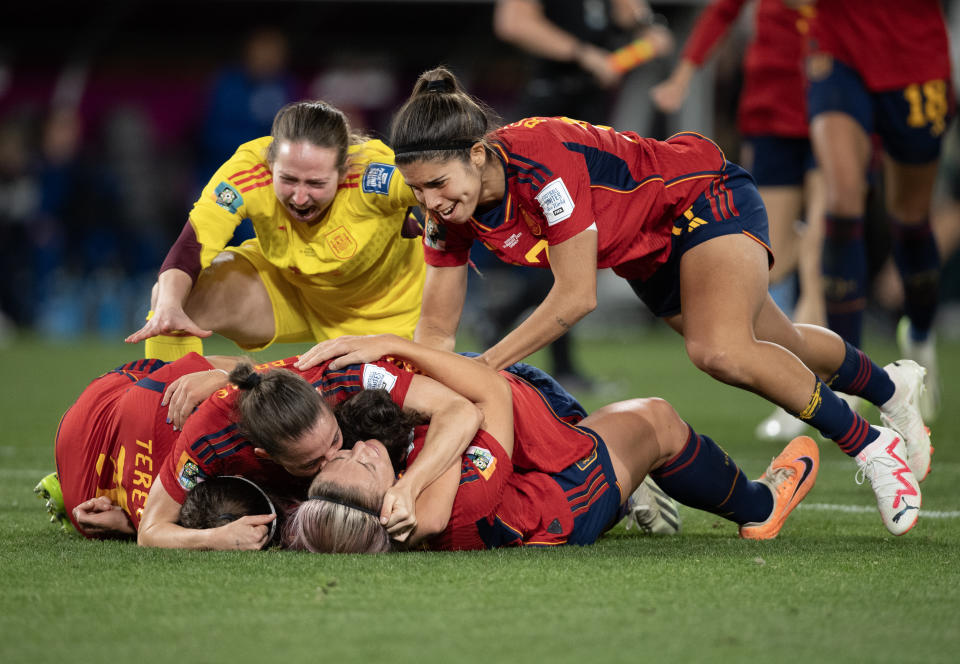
(902, 414)
(780, 426)
(883, 464)
(652, 511)
(923, 353)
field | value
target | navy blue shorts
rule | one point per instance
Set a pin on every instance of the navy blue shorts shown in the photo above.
(779, 161)
(730, 205)
(910, 121)
(593, 494)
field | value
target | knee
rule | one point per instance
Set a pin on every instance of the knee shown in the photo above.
(846, 196)
(717, 361)
(661, 422)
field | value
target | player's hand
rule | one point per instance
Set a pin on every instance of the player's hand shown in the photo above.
(167, 321)
(669, 95)
(347, 350)
(185, 393)
(660, 38)
(398, 513)
(248, 533)
(596, 61)
(99, 517)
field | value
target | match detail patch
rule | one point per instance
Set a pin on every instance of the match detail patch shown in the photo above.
(227, 197)
(377, 378)
(376, 179)
(189, 474)
(556, 202)
(483, 460)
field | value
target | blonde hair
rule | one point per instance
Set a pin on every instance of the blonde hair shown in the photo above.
(336, 519)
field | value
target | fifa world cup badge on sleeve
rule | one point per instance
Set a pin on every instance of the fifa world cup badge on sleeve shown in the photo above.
(189, 474)
(434, 235)
(376, 179)
(377, 378)
(483, 460)
(556, 202)
(227, 197)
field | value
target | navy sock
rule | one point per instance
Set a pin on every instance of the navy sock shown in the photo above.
(915, 253)
(845, 276)
(704, 477)
(859, 375)
(832, 417)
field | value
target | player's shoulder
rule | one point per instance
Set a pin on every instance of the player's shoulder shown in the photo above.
(252, 152)
(372, 169)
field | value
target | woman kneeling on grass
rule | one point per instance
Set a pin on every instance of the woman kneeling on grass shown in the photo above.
(580, 479)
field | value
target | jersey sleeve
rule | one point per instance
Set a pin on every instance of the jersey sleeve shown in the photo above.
(338, 386)
(710, 28)
(484, 469)
(381, 185)
(229, 198)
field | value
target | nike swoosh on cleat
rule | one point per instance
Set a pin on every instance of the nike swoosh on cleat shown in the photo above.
(808, 468)
(896, 517)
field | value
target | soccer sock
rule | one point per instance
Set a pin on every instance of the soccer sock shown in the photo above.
(915, 253)
(704, 477)
(169, 347)
(845, 276)
(832, 417)
(859, 375)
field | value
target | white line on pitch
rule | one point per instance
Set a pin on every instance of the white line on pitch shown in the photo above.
(863, 509)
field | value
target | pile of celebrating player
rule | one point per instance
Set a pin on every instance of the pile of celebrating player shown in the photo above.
(366, 443)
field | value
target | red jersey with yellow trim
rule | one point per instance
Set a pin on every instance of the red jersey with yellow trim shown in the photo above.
(484, 470)
(564, 176)
(890, 43)
(115, 437)
(211, 443)
(773, 101)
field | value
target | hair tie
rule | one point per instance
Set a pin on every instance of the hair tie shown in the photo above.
(252, 380)
(352, 506)
(439, 85)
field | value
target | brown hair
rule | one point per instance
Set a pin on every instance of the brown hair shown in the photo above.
(317, 123)
(224, 499)
(373, 414)
(337, 519)
(439, 121)
(275, 407)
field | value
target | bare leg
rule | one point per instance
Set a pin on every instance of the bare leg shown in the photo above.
(810, 305)
(784, 205)
(230, 298)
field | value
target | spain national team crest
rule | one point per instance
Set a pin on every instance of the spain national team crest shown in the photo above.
(227, 197)
(188, 473)
(341, 243)
(483, 460)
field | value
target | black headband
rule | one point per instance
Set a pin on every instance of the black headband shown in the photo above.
(353, 506)
(273, 510)
(427, 146)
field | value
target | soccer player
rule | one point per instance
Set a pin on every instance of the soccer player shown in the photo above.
(772, 120)
(681, 224)
(574, 478)
(881, 67)
(116, 446)
(328, 258)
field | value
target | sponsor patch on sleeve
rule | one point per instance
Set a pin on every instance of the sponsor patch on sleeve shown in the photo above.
(376, 179)
(378, 378)
(556, 202)
(435, 235)
(227, 197)
(483, 460)
(189, 474)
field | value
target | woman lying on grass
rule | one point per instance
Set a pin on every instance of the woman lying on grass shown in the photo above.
(529, 478)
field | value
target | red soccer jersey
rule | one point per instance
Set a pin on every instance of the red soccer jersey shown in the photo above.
(890, 43)
(773, 101)
(563, 176)
(114, 439)
(211, 443)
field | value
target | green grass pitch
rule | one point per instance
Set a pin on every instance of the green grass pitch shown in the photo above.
(833, 587)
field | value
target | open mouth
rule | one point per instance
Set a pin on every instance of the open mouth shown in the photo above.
(302, 213)
(448, 212)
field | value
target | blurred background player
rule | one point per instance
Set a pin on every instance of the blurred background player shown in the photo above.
(772, 121)
(570, 44)
(881, 67)
(328, 258)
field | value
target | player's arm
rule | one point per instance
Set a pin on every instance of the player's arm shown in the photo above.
(573, 296)
(435, 505)
(159, 528)
(444, 293)
(454, 421)
(185, 393)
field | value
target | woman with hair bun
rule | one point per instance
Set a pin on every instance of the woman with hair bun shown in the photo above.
(688, 231)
